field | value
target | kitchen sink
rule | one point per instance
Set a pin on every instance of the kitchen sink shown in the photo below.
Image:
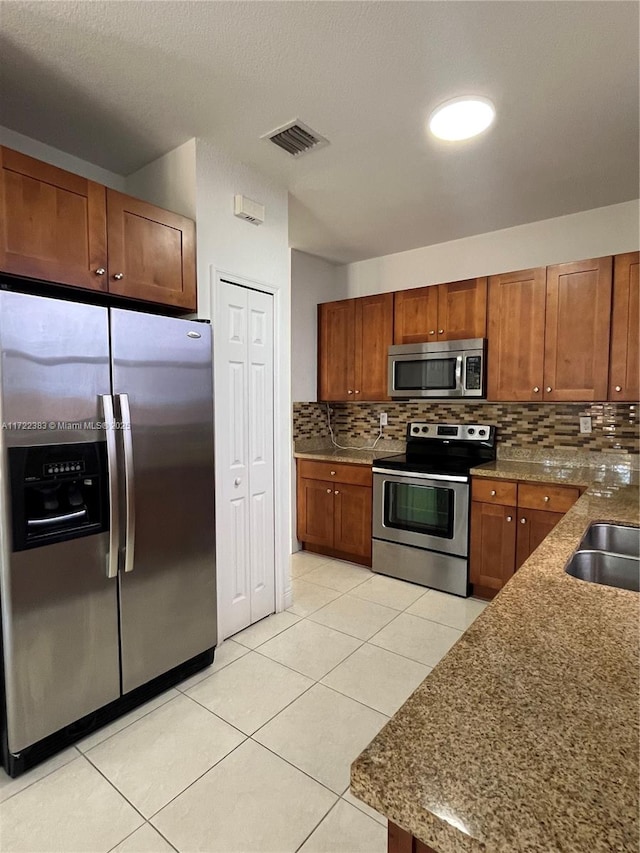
(605, 568)
(613, 538)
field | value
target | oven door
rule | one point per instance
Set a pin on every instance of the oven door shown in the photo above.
(428, 511)
(426, 375)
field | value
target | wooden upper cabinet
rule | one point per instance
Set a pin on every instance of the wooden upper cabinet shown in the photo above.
(151, 252)
(373, 337)
(516, 327)
(462, 310)
(624, 379)
(442, 312)
(336, 350)
(578, 322)
(416, 315)
(52, 223)
(353, 340)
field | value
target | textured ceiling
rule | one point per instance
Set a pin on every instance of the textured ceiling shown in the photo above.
(119, 83)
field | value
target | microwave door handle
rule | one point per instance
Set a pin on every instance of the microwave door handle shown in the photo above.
(459, 373)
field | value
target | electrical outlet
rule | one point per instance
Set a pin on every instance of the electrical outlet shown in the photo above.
(585, 424)
(383, 419)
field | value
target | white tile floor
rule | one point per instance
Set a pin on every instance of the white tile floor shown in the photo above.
(253, 754)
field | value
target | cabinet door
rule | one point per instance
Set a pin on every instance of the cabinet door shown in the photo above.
(624, 379)
(578, 321)
(315, 511)
(516, 335)
(151, 253)
(493, 545)
(416, 315)
(462, 310)
(353, 520)
(336, 350)
(533, 525)
(52, 223)
(374, 336)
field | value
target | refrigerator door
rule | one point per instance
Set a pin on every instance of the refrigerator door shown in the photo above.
(59, 608)
(162, 380)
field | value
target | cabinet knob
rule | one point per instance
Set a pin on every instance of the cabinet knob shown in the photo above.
(509, 518)
(523, 521)
(546, 499)
(536, 389)
(329, 491)
(549, 389)
(349, 392)
(336, 493)
(441, 331)
(357, 392)
(493, 493)
(118, 275)
(432, 331)
(333, 473)
(100, 271)
(237, 481)
(618, 387)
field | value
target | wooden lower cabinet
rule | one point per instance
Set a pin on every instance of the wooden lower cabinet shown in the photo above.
(401, 841)
(334, 515)
(508, 523)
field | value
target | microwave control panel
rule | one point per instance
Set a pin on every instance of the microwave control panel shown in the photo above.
(473, 373)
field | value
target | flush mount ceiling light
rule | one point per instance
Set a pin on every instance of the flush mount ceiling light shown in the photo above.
(462, 118)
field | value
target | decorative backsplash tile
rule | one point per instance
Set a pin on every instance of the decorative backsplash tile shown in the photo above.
(545, 426)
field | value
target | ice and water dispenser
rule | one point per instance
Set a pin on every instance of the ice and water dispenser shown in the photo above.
(58, 492)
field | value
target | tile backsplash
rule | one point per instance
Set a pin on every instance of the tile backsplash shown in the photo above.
(544, 426)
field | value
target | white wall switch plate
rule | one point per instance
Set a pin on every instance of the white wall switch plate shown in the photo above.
(585, 424)
(383, 419)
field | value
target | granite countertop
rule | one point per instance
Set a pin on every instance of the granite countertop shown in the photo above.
(357, 457)
(525, 736)
(611, 472)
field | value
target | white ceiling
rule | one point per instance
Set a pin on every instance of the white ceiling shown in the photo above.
(120, 83)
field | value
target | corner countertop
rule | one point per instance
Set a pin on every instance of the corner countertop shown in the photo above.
(612, 472)
(353, 457)
(525, 736)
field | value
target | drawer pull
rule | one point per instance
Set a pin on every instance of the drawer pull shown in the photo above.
(509, 518)
(546, 499)
(333, 473)
(493, 493)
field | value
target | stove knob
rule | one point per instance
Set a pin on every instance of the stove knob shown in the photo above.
(415, 429)
(472, 431)
(482, 432)
(425, 429)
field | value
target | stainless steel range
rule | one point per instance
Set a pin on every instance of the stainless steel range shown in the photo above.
(421, 503)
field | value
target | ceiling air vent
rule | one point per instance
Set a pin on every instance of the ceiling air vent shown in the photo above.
(296, 138)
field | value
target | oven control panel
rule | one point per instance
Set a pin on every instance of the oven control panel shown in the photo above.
(456, 432)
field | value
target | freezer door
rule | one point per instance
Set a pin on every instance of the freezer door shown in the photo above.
(59, 608)
(167, 577)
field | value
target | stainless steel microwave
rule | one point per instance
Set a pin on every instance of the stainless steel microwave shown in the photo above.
(443, 369)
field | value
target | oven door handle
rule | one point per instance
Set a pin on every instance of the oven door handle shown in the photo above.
(449, 478)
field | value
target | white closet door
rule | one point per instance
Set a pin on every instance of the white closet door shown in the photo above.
(243, 363)
(260, 417)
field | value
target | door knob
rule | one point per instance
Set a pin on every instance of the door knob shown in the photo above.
(549, 389)
(618, 387)
(509, 518)
(100, 271)
(237, 481)
(523, 521)
(118, 275)
(536, 389)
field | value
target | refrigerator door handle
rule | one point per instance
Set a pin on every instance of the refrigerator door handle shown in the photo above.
(112, 469)
(129, 484)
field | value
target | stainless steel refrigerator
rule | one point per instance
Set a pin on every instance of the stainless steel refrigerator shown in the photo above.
(107, 515)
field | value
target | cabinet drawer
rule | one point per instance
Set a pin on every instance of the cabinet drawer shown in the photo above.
(552, 498)
(337, 472)
(494, 491)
